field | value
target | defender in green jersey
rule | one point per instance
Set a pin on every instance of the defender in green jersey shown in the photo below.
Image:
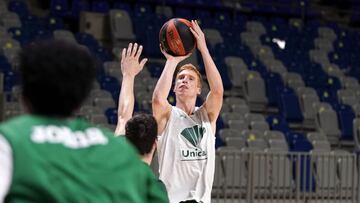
(140, 129)
(48, 156)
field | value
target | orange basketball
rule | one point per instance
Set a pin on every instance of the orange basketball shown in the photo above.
(176, 38)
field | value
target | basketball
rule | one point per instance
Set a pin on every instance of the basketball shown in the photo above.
(176, 38)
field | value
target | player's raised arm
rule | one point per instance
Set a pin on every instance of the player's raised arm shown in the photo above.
(130, 67)
(214, 99)
(160, 106)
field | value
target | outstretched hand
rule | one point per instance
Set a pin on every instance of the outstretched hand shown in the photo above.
(130, 64)
(176, 59)
(199, 35)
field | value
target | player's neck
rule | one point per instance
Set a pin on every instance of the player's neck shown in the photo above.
(188, 105)
(147, 158)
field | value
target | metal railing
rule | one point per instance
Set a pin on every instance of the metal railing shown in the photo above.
(286, 177)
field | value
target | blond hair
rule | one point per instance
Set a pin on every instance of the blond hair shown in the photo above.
(192, 68)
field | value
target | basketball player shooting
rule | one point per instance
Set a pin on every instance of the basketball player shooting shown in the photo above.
(186, 145)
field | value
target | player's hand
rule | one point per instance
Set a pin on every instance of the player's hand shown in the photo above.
(130, 64)
(199, 36)
(176, 59)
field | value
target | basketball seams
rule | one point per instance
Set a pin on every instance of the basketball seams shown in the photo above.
(186, 22)
(187, 38)
(162, 38)
(174, 40)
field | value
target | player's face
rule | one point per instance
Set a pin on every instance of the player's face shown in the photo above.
(187, 84)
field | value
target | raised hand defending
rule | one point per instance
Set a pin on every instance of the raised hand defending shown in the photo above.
(130, 64)
(130, 67)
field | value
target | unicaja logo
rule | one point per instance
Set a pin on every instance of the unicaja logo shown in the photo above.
(193, 135)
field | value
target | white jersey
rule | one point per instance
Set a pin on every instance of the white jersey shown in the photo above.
(186, 151)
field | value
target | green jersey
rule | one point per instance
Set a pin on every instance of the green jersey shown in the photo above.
(72, 161)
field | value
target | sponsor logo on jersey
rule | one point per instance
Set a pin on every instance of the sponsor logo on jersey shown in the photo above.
(64, 135)
(193, 154)
(193, 135)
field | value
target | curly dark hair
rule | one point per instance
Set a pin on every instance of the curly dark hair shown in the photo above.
(141, 131)
(56, 77)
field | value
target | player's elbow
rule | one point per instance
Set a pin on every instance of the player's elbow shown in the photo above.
(157, 100)
(218, 91)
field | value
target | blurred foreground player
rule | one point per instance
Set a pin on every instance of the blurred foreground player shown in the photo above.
(48, 156)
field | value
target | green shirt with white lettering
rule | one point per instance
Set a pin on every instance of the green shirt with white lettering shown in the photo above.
(57, 160)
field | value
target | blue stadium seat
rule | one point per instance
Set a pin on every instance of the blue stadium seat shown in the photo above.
(224, 76)
(18, 7)
(312, 76)
(103, 54)
(197, 3)
(111, 114)
(259, 67)
(78, 6)
(306, 178)
(21, 35)
(274, 85)
(278, 123)
(328, 96)
(204, 17)
(298, 142)
(100, 6)
(333, 83)
(240, 19)
(289, 106)
(11, 78)
(151, 43)
(54, 23)
(59, 7)
(223, 21)
(42, 34)
(346, 117)
(110, 84)
(87, 40)
(122, 6)
(219, 125)
(184, 13)
(146, 27)
(199, 101)
(155, 69)
(4, 64)
(32, 24)
(266, 9)
(143, 10)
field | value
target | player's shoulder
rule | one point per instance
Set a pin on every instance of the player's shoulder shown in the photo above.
(200, 110)
(19, 120)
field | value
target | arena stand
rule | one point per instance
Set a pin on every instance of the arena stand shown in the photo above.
(289, 127)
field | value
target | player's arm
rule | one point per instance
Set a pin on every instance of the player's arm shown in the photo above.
(214, 99)
(130, 67)
(160, 105)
